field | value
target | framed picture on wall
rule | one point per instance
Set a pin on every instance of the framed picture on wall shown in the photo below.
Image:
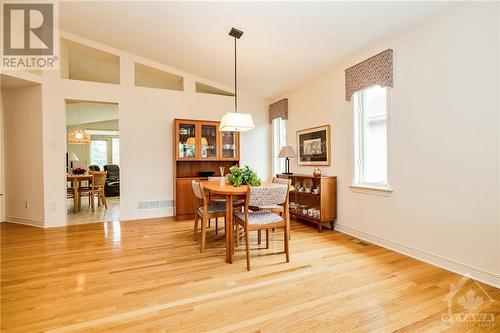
(313, 145)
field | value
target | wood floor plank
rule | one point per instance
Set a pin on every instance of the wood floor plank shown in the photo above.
(149, 276)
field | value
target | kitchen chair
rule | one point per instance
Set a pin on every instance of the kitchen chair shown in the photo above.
(95, 188)
(236, 203)
(277, 209)
(274, 194)
(206, 210)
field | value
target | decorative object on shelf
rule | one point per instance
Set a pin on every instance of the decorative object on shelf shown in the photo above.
(79, 171)
(72, 158)
(308, 185)
(78, 137)
(243, 176)
(222, 179)
(287, 152)
(314, 146)
(317, 172)
(234, 121)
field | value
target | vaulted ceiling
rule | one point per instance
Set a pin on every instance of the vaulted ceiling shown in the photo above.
(284, 43)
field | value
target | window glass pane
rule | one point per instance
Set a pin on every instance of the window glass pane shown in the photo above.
(279, 140)
(370, 127)
(98, 153)
(115, 151)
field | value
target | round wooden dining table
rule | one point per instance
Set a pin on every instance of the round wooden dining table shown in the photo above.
(229, 192)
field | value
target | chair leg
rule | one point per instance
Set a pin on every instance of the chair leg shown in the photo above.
(196, 218)
(259, 237)
(203, 233)
(216, 225)
(287, 245)
(267, 238)
(103, 198)
(247, 242)
(92, 208)
(237, 234)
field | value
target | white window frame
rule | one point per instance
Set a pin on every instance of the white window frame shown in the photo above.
(278, 140)
(364, 187)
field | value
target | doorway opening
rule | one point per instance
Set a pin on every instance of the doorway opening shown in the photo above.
(92, 162)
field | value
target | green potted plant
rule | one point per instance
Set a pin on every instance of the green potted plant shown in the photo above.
(243, 176)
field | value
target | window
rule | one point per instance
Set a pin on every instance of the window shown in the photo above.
(115, 151)
(98, 153)
(370, 138)
(279, 140)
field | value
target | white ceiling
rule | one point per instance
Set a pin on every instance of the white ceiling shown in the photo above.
(284, 43)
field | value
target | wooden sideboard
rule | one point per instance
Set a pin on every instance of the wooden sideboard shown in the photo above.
(325, 202)
(199, 146)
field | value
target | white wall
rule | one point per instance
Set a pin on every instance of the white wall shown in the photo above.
(145, 117)
(445, 129)
(22, 110)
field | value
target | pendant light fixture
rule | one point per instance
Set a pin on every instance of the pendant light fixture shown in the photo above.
(79, 136)
(234, 121)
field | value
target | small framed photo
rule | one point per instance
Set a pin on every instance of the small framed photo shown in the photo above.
(313, 145)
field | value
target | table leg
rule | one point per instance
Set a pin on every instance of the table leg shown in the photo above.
(229, 229)
(76, 198)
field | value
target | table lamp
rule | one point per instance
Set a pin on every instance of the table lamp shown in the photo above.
(72, 158)
(287, 152)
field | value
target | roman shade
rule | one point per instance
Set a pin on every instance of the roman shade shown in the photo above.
(278, 109)
(376, 70)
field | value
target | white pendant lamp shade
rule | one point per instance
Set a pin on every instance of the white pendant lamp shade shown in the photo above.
(236, 122)
(79, 137)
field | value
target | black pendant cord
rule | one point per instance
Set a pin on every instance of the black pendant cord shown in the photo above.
(235, 81)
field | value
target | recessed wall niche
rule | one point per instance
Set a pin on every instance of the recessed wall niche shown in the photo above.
(85, 63)
(206, 89)
(149, 77)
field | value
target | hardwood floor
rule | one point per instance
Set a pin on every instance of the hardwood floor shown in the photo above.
(100, 214)
(149, 276)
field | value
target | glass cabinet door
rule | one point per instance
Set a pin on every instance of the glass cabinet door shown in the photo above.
(208, 142)
(187, 140)
(229, 145)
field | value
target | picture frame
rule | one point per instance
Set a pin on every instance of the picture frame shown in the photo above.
(313, 146)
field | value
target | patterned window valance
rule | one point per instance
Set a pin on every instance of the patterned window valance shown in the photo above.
(278, 110)
(376, 70)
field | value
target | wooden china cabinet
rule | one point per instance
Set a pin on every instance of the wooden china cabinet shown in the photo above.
(199, 149)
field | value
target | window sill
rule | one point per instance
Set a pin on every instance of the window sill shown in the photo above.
(383, 191)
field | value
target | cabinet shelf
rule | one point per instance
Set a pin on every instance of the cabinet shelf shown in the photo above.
(325, 201)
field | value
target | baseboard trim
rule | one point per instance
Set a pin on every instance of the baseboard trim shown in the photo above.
(25, 221)
(454, 266)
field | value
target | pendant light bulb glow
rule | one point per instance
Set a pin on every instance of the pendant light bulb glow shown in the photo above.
(79, 137)
(234, 121)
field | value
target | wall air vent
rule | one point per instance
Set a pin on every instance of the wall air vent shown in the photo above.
(155, 204)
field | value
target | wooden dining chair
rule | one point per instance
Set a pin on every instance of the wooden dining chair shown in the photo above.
(219, 199)
(277, 209)
(206, 210)
(273, 194)
(95, 189)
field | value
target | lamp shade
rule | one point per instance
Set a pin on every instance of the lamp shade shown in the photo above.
(287, 151)
(204, 142)
(72, 157)
(191, 141)
(79, 137)
(236, 122)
